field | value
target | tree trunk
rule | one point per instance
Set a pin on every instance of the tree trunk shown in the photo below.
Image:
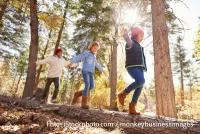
(62, 90)
(145, 102)
(20, 76)
(165, 96)
(43, 55)
(190, 93)
(190, 89)
(13, 84)
(18, 82)
(113, 77)
(3, 6)
(113, 73)
(182, 84)
(61, 28)
(30, 79)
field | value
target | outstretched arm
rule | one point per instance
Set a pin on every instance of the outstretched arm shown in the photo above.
(99, 67)
(44, 61)
(79, 57)
(127, 39)
(67, 63)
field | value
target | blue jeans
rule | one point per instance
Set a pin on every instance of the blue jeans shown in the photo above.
(88, 79)
(138, 75)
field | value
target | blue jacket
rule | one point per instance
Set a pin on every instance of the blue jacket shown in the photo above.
(89, 61)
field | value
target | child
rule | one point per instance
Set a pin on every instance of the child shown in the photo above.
(89, 63)
(135, 65)
(56, 64)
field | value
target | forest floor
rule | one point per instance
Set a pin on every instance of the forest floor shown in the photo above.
(25, 116)
(16, 119)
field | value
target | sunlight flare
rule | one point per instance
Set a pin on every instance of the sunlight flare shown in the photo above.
(130, 16)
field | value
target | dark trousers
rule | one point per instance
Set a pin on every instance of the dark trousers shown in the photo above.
(48, 84)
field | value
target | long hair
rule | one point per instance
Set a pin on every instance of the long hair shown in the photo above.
(93, 44)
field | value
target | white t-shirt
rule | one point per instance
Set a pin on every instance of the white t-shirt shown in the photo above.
(56, 65)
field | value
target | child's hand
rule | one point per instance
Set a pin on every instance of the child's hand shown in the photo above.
(73, 65)
(104, 72)
(125, 33)
(67, 64)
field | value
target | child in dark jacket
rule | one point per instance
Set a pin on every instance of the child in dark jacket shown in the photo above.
(135, 65)
(88, 57)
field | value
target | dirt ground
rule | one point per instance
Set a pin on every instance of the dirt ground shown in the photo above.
(18, 120)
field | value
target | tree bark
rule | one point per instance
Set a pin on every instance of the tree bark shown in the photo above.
(190, 89)
(113, 73)
(13, 84)
(182, 84)
(18, 82)
(30, 79)
(43, 55)
(3, 6)
(61, 28)
(190, 93)
(113, 77)
(20, 76)
(165, 96)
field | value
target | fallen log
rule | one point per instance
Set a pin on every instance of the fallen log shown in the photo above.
(130, 123)
(111, 120)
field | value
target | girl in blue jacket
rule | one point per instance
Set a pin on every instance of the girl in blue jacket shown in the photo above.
(88, 57)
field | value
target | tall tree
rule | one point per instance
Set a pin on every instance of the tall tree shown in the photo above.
(165, 95)
(30, 79)
(113, 72)
(13, 30)
(181, 65)
(192, 80)
(113, 54)
(21, 66)
(93, 23)
(61, 27)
